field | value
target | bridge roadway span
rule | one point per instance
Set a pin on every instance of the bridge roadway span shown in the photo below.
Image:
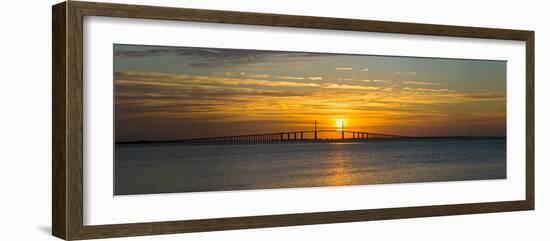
(291, 136)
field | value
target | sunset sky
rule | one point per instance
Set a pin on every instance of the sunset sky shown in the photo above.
(166, 93)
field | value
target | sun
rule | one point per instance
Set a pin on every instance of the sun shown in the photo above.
(339, 124)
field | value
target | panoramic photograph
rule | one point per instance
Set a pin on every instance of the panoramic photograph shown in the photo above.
(197, 119)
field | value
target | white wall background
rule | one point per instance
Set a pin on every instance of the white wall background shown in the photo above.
(25, 120)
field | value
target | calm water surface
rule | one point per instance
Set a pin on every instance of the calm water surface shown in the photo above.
(165, 168)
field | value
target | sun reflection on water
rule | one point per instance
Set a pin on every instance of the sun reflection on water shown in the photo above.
(340, 172)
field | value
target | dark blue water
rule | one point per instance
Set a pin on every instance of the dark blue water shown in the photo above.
(166, 168)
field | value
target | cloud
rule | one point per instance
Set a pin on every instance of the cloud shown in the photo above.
(315, 78)
(214, 57)
(428, 90)
(190, 93)
(346, 79)
(176, 80)
(405, 73)
(290, 77)
(483, 97)
(349, 87)
(375, 80)
(137, 51)
(344, 68)
(262, 76)
(364, 70)
(231, 73)
(419, 83)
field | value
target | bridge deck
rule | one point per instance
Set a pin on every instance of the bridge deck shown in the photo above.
(291, 136)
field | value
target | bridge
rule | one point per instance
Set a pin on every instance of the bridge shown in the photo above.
(346, 135)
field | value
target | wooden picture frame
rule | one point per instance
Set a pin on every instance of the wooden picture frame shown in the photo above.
(67, 159)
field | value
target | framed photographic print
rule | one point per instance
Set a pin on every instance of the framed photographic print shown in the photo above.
(171, 120)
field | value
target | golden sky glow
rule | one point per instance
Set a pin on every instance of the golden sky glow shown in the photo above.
(166, 93)
(339, 124)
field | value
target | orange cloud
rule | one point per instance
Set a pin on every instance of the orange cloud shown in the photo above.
(178, 80)
(419, 83)
(349, 87)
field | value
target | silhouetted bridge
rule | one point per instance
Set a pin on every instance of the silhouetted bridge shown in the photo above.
(293, 136)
